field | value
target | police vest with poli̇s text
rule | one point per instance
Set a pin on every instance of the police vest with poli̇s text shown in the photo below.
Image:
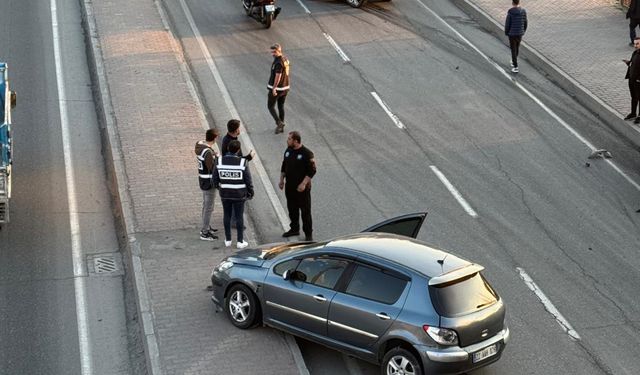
(204, 172)
(231, 171)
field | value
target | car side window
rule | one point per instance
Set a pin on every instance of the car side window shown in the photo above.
(290, 264)
(375, 285)
(324, 272)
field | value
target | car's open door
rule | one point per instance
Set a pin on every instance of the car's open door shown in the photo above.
(405, 225)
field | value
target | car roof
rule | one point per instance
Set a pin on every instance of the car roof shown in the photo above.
(405, 251)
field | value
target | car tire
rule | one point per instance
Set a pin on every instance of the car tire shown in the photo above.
(356, 3)
(242, 307)
(400, 361)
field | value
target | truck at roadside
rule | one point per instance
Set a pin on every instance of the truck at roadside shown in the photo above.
(7, 103)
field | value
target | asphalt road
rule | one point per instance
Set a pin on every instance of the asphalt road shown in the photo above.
(38, 311)
(573, 229)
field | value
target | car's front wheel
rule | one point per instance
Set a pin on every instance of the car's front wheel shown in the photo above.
(356, 3)
(242, 306)
(399, 361)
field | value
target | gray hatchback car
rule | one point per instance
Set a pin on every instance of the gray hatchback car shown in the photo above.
(380, 295)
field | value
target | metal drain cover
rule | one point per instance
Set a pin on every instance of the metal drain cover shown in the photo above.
(105, 264)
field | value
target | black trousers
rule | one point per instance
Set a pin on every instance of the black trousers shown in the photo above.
(281, 96)
(633, 23)
(299, 203)
(514, 43)
(634, 91)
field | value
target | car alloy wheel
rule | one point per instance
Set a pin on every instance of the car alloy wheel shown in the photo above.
(242, 306)
(399, 361)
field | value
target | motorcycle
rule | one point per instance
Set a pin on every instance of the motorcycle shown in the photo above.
(263, 11)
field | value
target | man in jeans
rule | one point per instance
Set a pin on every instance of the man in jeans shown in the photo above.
(206, 156)
(514, 27)
(233, 179)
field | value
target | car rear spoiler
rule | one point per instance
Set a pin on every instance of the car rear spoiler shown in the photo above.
(455, 274)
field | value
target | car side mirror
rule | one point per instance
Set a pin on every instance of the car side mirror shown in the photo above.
(287, 274)
(13, 99)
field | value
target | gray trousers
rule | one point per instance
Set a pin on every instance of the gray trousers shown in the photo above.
(207, 207)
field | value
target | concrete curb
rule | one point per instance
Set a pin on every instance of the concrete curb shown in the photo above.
(118, 181)
(602, 110)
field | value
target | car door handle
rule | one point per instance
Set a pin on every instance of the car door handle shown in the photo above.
(319, 298)
(383, 316)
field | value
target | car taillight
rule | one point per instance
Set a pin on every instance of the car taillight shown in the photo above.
(442, 336)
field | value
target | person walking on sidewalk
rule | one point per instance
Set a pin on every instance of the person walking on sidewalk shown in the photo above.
(633, 14)
(514, 27)
(233, 179)
(633, 75)
(298, 168)
(278, 86)
(206, 157)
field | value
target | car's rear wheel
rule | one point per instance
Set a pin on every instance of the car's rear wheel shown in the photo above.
(242, 306)
(400, 361)
(356, 3)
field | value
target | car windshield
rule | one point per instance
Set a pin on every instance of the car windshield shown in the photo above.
(289, 248)
(463, 296)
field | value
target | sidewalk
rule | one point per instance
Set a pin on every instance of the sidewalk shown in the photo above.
(151, 118)
(580, 44)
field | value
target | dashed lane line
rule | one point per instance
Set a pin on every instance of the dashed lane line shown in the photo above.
(386, 109)
(548, 305)
(335, 45)
(456, 194)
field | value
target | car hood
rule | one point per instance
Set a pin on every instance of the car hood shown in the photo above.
(252, 257)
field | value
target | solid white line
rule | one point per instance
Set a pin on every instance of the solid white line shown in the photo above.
(337, 48)
(304, 6)
(452, 189)
(244, 137)
(79, 273)
(384, 106)
(528, 93)
(548, 305)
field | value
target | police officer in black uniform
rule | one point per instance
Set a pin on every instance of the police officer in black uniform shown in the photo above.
(298, 167)
(205, 157)
(278, 86)
(233, 179)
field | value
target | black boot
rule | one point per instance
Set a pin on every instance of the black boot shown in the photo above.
(275, 14)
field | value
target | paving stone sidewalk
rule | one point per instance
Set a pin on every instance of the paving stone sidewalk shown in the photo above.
(587, 39)
(152, 121)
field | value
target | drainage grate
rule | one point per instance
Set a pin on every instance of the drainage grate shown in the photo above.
(104, 265)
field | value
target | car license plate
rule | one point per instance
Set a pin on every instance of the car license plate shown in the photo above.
(270, 8)
(485, 353)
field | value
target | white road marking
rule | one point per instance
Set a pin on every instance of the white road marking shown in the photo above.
(456, 194)
(548, 305)
(337, 48)
(384, 106)
(79, 273)
(304, 6)
(244, 137)
(529, 94)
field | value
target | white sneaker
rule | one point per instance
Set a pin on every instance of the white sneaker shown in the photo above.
(242, 245)
(515, 69)
(511, 63)
(227, 243)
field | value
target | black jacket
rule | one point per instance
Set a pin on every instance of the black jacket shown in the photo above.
(634, 10)
(516, 22)
(633, 67)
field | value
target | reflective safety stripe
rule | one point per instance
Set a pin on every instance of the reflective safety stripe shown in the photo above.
(235, 167)
(201, 156)
(205, 175)
(278, 88)
(232, 186)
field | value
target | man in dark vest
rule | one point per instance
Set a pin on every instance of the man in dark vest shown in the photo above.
(633, 75)
(233, 179)
(278, 86)
(206, 156)
(633, 14)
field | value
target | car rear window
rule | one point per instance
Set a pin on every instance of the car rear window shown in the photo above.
(463, 296)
